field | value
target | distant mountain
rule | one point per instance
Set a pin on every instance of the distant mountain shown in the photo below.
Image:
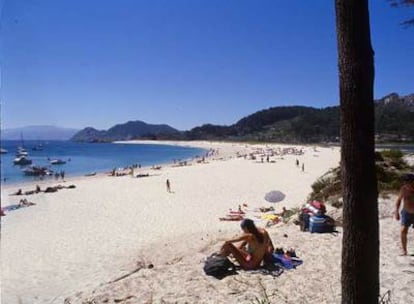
(127, 131)
(38, 133)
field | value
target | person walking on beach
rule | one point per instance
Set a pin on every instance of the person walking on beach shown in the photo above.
(256, 246)
(168, 186)
(407, 212)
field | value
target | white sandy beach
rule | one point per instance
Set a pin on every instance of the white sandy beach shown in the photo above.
(73, 243)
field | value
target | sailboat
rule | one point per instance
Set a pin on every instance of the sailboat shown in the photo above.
(22, 155)
(21, 151)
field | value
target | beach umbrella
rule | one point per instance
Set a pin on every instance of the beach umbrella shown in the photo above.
(274, 196)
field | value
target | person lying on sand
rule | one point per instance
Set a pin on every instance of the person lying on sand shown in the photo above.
(25, 203)
(51, 189)
(239, 211)
(266, 209)
(58, 187)
(142, 175)
(232, 217)
(285, 214)
(256, 246)
(18, 192)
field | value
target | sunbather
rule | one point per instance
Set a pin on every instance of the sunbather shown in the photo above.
(239, 211)
(255, 246)
(18, 192)
(232, 217)
(25, 203)
(266, 209)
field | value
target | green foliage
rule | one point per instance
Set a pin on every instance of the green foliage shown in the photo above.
(327, 186)
(393, 154)
(390, 167)
(299, 124)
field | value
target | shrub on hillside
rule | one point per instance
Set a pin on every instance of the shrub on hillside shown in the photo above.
(390, 167)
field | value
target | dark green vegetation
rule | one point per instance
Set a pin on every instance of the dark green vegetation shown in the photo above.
(289, 124)
(390, 167)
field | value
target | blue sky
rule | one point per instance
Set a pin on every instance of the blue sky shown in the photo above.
(79, 63)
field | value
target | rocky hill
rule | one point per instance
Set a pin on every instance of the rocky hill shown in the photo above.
(127, 131)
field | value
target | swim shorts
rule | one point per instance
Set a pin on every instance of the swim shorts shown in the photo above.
(407, 219)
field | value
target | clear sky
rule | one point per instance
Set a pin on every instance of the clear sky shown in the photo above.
(79, 63)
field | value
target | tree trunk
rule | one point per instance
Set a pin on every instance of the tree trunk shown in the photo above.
(360, 245)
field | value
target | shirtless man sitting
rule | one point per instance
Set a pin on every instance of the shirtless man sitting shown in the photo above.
(407, 212)
(256, 246)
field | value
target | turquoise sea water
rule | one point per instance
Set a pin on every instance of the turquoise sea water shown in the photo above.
(84, 158)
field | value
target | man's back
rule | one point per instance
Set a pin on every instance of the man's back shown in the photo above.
(407, 194)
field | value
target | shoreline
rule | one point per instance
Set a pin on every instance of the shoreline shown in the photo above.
(193, 144)
(202, 144)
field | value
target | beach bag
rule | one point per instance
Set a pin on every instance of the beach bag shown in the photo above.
(218, 266)
(321, 224)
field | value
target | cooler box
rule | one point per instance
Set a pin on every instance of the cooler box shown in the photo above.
(321, 224)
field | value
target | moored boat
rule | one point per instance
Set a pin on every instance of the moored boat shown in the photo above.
(22, 161)
(3, 151)
(21, 152)
(57, 162)
(37, 171)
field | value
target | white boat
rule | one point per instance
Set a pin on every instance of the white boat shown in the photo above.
(57, 162)
(22, 161)
(3, 151)
(21, 152)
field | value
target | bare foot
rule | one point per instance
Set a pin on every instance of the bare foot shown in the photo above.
(403, 253)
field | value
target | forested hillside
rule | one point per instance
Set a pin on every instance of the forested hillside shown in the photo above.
(294, 124)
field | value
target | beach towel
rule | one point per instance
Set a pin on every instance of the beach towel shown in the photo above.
(13, 207)
(285, 261)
